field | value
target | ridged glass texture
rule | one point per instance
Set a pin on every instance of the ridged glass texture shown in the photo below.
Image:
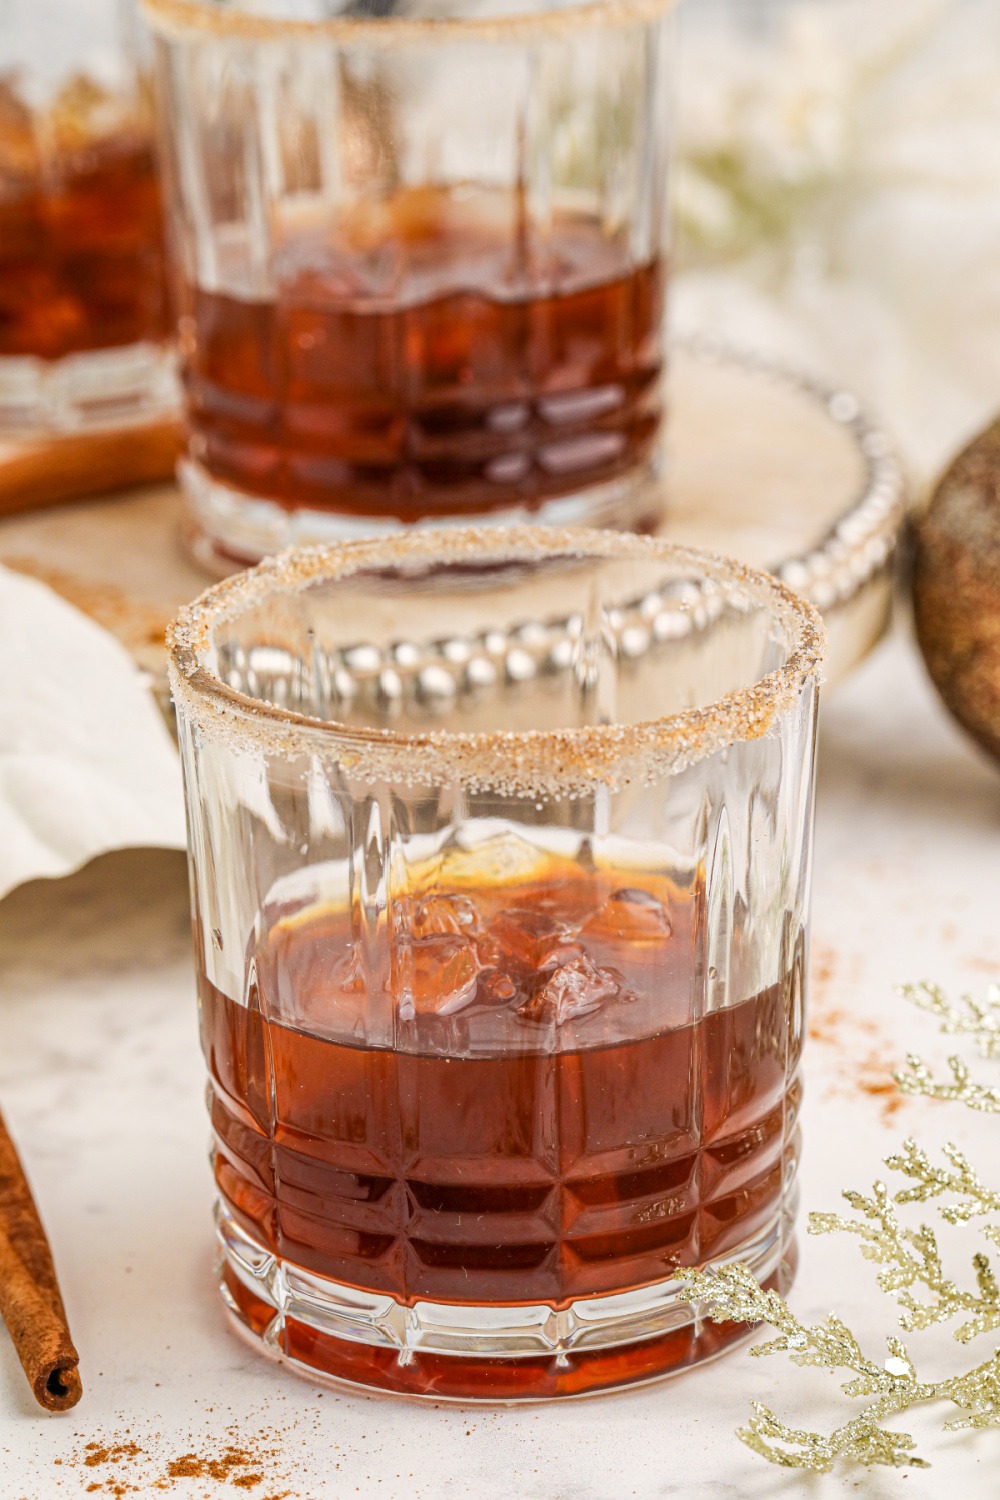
(501, 1036)
(422, 274)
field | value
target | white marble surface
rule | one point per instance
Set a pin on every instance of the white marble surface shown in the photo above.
(101, 1079)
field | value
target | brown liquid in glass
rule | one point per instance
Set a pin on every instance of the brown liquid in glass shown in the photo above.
(427, 357)
(81, 244)
(601, 1148)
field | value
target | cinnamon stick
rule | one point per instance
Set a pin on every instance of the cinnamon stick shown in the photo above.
(30, 1300)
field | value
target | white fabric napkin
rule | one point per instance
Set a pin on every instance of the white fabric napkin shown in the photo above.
(86, 762)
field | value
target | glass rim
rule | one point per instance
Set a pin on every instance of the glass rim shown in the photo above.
(575, 757)
(187, 20)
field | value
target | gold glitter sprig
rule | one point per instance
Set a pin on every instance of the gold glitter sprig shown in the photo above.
(911, 1271)
(892, 1387)
(973, 1196)
(963, 1088)
(968, 1017)
(860, 1441)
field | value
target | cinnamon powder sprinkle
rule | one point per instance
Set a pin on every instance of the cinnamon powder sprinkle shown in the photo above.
(864, 1056)
(137, 1471)
(97, 1454)
(227, 1466)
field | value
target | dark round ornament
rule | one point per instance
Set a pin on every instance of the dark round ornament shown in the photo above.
(956, 588)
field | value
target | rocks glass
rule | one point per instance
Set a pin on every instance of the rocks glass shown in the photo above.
(84, 316)
(423, 259)
(500, 866)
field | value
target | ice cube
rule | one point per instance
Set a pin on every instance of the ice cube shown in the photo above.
(18, 144)
(574, 990)
(630, 915)
(438, 914)
(347, 973)
(531, 939)
(310, 269)
(435, 975)
(487, 861)
(496, 987)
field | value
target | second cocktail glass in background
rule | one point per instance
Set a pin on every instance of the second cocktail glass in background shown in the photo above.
(422, 260)
(84, 314)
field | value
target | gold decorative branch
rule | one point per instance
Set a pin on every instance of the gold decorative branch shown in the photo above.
(911, 1271)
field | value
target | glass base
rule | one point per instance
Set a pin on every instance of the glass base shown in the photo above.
(101, 388)
(455, 1351)
(228, 529)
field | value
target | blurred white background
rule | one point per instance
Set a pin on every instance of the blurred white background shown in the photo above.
(838, 198)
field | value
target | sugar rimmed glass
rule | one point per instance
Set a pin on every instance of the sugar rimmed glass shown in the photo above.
(422, 258)
(500, 848)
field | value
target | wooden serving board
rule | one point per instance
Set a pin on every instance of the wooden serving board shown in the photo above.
(756, 465)
(38, 472)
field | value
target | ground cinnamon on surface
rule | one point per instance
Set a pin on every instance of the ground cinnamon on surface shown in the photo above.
(865, 1056)
(96, 1453)
(887, 1091)
(233, 1465)
(118, 1467)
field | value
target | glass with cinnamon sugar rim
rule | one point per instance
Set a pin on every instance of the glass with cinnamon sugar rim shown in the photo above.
(500, 867)
(423, 263)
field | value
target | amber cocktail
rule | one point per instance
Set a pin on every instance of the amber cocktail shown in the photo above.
(423, 259)
(85, 323)
(500, 927)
